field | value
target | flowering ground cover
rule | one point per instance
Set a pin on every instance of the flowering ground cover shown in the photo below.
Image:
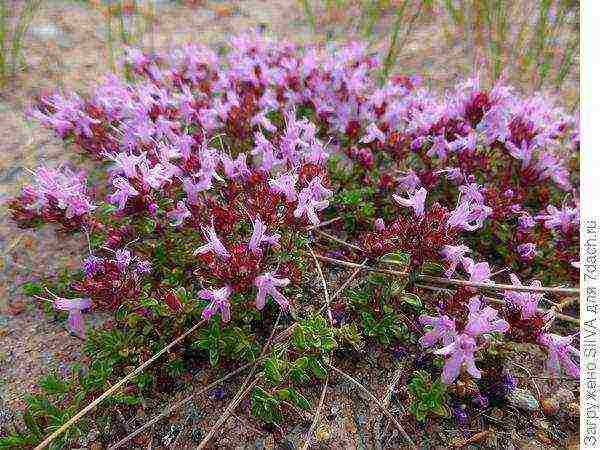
(227, 184)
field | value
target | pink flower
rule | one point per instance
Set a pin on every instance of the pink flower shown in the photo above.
(439, 148)
(469, 216)
(560, 352)
(416, 201)
(213, 244)
(483, 320)
(527, 251)
(373, 133)
(311, 199)
(523, 153)
(527, 301)
(443, 330)
(472, 193)
(285, 184)
(219, 299)
(410, 181)
(74, 306)
(454, 254)
(379, 224)
(126, 163)
(267, 284)
(235, 168)
(460, 351)
(259, 236)
(265, 150)
(192, 189)
(479, 273)
(564, 218)
(124, 192)
(123, 258)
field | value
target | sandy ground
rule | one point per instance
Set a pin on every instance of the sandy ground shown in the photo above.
(66, 46)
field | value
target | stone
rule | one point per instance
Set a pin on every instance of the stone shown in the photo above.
(51, 32)
(523, 399)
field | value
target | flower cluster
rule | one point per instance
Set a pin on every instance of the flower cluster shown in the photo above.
(217, 167)
(459, 348)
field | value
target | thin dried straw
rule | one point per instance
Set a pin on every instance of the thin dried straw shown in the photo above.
(177, 405)
(228, 411)
(376, 401)
(73, 420)
(311, 430)
(243, 390)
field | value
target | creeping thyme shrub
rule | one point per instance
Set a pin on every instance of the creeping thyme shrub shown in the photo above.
(223, 173)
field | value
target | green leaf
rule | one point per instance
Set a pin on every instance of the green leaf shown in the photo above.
(30, 288)
(411, 299)
(317, 368)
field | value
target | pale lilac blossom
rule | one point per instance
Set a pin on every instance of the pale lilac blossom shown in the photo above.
(213, 244)
(561, 354)
(219, 302)
(443, 329)
(527, 251)
(460, 351)
(259, 236)
(267, 284)
(526, 301)
(454, 254)
(415, 201)
(74, 306)
(479, 272)
(483, 320)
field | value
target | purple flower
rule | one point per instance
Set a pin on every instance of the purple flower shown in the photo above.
(527, 301)
(460, 351)
(443, 330)
(472, 193)
(523, 153)
(143, 266)
(469, 216)
(526, 222)
(219, 299)
(74, 306)
(416, 201)
(192, 189)
(235, 168)
(527, 251)
(479, 272)
(285, 184)
(265, 150)
(65, 187)
(267, 284)
(259, 236)
(123, 258)
(563, 218)
(311, 199)
(439, 148)
(123, 193)
(410, 182)
(126, 164)
(483, 320)
(213, 244)
(481, 400)
(379, 224)
(373, 133)
(92, 265)
(560, 352)
(454, 254)
(179, 214)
